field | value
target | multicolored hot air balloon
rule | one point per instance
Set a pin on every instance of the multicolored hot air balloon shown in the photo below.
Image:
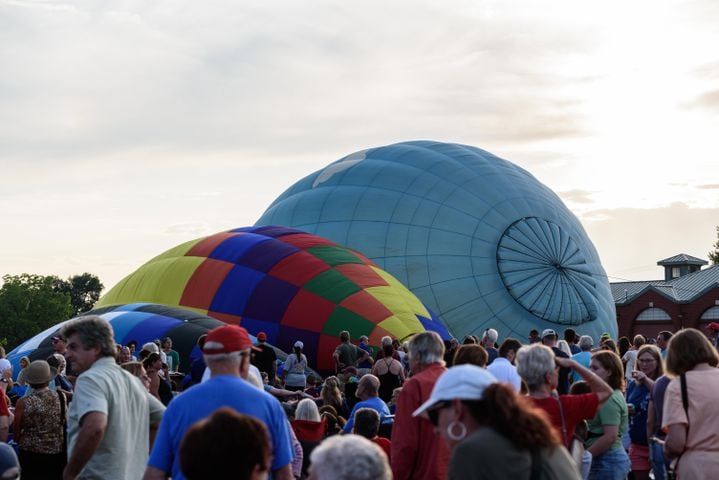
(285, 282)
(142, 322)
(478, 239)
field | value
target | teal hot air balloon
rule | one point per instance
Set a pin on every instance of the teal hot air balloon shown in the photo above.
(478, 239)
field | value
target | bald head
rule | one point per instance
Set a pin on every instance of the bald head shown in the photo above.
(368, 387)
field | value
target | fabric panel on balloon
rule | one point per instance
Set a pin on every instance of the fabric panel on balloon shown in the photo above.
(291, 285)
(153, 327)
(204, 283)
(433, 215)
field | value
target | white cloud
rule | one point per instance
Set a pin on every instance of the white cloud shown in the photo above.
(130, 127)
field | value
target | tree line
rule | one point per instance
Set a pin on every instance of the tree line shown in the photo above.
(31, 303)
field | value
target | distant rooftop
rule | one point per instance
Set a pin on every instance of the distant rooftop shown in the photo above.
(682, 259)
(682, 289)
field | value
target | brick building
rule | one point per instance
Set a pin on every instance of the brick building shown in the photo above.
(687, 297)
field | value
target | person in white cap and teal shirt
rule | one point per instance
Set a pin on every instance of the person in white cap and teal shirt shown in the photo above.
(493, 432)
(294, 369)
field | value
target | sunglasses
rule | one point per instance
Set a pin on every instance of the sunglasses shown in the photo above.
(433, 413)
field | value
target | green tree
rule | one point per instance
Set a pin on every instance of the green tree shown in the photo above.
(84, 291)
(714, 254)
(30, 304)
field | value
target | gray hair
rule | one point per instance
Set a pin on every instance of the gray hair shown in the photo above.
(349, 457)
(151, 347)
(93, 331)
(491, 335)
(386, 341)
(426, 348)
(534, 362)
(231, 357)
(585, 343)
(307, 410)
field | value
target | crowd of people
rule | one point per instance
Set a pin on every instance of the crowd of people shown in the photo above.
(546, 408)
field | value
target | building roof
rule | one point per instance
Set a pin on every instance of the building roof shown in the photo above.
(682, 259)
(682, 289)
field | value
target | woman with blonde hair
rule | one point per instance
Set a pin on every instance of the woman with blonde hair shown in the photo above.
(331, 395)
(310, 428)
(692, 426)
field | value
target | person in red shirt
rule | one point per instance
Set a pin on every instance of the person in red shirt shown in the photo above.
(539, 368)
(5, 419)
(418, 452)
(366, 424)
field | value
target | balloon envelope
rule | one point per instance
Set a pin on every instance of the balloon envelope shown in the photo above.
(478, 239)
(142, 322)
(285, 282)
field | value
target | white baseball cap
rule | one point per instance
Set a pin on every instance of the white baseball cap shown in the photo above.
(549, 333)
(463, 382)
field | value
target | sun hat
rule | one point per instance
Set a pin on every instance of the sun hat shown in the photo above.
(549, 333)
(227, 339)
(462, 382)
(39, 371)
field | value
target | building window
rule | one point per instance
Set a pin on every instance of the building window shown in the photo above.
(653, 315)
(711, 314)
(676, 272)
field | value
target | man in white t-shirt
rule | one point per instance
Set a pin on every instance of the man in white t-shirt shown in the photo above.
(503, 367)
(4, 363)
(630, 357)
(111, 415)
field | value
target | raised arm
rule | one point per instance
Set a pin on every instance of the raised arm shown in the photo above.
(598, 386)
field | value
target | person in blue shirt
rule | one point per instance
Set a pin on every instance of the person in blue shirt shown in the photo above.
(227, 354)
(584, 356)
(648, 369)
(368, 393)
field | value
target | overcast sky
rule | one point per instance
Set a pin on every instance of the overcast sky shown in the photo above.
(128, 127)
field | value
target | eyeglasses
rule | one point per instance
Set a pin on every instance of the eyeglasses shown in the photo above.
(433, 413)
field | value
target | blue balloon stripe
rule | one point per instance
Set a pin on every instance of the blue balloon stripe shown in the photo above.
(124, 322)
(154, 327)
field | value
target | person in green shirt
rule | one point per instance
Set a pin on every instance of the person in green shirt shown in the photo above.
(604, 441)
(173, 358)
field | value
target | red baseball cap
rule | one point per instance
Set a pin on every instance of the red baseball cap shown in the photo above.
(713, 326)
(227, 339)
(262, 336)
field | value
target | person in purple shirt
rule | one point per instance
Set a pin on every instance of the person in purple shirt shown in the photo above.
(655, 412)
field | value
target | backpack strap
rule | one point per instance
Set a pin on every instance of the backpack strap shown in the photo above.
(565, 436)
(685, 404)
(685, 396)
(536, 468)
